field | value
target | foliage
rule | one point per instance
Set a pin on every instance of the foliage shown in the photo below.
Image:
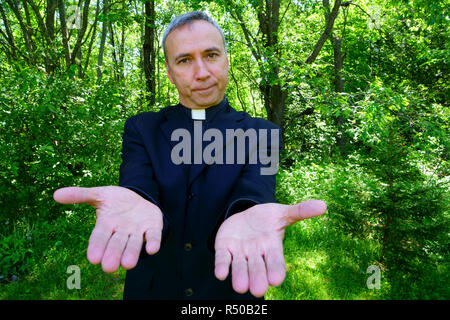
(376, 150)
(52, 131)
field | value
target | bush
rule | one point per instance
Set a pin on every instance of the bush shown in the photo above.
(55, 132)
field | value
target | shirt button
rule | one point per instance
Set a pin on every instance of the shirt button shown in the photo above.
(187, 246)
(191, 196)
(188, 292)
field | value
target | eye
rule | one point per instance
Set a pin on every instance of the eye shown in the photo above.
(183, 61)
(212, 55)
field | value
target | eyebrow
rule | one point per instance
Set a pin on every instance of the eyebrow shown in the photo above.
(211, 49)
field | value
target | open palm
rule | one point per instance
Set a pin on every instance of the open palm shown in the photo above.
(124, 221)
(251, 242)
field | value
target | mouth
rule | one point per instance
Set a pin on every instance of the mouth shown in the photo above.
(204, 90)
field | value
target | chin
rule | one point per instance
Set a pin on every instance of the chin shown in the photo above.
(207, 103)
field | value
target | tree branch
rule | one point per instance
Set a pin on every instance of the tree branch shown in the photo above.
(247, 34)
(81, 32)
(9, 36)
(287, 7)
(40, 20)
(326, 33)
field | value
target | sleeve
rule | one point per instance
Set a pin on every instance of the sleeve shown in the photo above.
(256, 183)
(136, 171)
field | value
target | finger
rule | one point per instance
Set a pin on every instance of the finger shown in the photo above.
(276, 266)
(72, 195)
(222, 263)
(257, 275)
(153, 239)
(131, 253)
(97, 242)
(239, 274)
(114, 250)
(306, 209)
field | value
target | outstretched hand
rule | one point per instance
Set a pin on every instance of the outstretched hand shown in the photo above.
(251, 242)
(124, 221)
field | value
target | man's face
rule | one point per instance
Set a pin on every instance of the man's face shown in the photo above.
(197, 64)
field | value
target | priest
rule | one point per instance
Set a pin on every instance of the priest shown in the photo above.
(193, 229)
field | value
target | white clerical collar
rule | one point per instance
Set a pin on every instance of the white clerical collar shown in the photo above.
(198, 114)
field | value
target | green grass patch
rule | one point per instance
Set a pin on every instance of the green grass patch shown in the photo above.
(323, 265)
(323, 260)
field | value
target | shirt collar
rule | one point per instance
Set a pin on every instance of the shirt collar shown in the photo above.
(211, 112)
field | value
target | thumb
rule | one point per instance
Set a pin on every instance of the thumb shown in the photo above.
(305, 210)
(72, 195)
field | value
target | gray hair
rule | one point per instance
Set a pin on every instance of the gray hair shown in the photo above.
(188, 18)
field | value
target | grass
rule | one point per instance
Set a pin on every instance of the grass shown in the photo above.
(56, 246)
(320, 265)
(323, 263)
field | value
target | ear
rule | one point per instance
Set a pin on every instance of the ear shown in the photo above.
(168, 71)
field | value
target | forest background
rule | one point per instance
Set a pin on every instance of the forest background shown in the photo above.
(359, 87)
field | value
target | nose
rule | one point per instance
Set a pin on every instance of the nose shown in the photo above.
(201, 71)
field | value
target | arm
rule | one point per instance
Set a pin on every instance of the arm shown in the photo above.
(251, 243)
(124, 221)
(136, 171)
(256, 183)
(250, 240)
(127, 215)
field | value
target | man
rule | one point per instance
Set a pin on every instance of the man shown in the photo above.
(197, 218)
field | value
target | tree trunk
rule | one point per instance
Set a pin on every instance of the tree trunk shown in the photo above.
(274, 94)
(28, 25)
(141, 11)
(101, 50)
(52, 62)
(26, 34)
(339, 87)
(81, 32)
(91, 42)
(274, 103)
(331, 17)
(149, 52)
(122, 53)
(65, 39)
(9, 35)
(386, 231)
(40, 21)
(112, 37)
(338, 66)
(50, 18)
